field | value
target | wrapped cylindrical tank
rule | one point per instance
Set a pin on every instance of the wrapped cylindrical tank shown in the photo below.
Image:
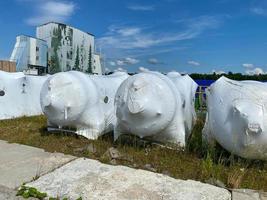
(237, 117)
(20, 94)
(187, 88)
(153, 105)
(81, 101)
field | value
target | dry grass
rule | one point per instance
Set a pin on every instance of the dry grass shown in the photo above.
(235, 177)
(194, 162)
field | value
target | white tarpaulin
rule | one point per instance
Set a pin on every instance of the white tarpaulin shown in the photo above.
(20, 95)
(237, 117)
(153, 105)
(81, 101)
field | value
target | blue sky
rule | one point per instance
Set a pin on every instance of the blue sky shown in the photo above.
(182, 35)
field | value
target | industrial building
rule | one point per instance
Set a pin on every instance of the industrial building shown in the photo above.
(30, 55)
(96, 64)
(68, 48)
(56, 48)
(7, 66)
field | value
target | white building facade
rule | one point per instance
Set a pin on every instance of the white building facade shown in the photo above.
(69, 48)
(30, 53)
(97, 66)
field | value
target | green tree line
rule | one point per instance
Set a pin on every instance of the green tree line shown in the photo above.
(234, 76)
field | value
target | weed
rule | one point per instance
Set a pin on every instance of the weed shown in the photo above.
(235, 177)
(207, 166)
(27, 192)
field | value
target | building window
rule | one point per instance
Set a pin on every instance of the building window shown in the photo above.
(37, 48)
(71, 54)
(37, 58)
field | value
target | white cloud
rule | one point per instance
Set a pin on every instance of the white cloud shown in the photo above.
(138, 38)
(131, 61)
(45, 11)
(248, 65)
(219, 72)
(255, 71)
(120, 69)
(120, 62)
(112, 63)
(153, 61)
(156, 51)
(143, 69)
(107, 70)
(141, 7)
(191, 62)
(124, 61)
(203, 22)
(129, 31)
(259, 11)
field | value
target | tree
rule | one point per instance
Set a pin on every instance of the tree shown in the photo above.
(77, 61)
(89, 68)
(54, 63)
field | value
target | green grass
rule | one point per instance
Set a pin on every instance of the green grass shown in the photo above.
(197, 161)
(28, 192)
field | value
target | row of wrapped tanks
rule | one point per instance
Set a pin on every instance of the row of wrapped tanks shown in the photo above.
(149, 105)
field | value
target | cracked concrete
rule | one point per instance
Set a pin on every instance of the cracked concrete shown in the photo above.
(20, 163)
(91, 179)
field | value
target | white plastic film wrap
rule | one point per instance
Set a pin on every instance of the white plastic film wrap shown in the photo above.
(187, 88)
(81, 101)
(237, 117)
(20, 94)
(150, 104)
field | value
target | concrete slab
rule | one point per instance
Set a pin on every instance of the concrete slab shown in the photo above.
(9, 194)
(91, 179)
(20, 163)
(247, 194)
